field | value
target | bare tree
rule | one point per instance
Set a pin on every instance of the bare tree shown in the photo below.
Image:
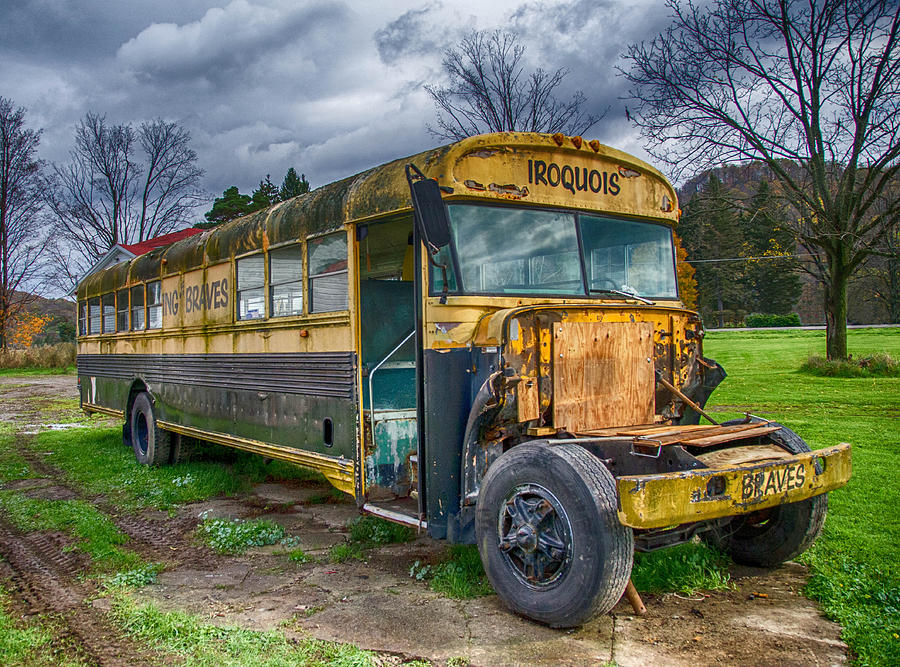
(489, 91)
(810, 87)
(121, 186)
(22, 188)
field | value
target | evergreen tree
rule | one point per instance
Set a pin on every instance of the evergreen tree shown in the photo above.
(265, 195)
(710, 229)
(232, 204)
(773, 284)
(293, 185)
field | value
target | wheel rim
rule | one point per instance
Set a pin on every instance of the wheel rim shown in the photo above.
(142, 433)
(535, 536)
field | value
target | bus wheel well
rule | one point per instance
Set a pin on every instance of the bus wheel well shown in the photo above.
(137, 387)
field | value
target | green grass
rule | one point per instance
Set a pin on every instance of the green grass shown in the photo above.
(24, 643)
(27, 372)
(461, 576)
(197, 643)
(95, 460)
(854, 566)
(235, 536)
(96, 535)
(686, 569)
(341, 553)
(12, 465)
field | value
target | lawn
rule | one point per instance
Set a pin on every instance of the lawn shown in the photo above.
(854, 569)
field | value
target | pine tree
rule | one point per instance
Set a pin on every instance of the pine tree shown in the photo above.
(773, 284)
(232, 204)
(293, 185)
(710, 229)
(265, 195)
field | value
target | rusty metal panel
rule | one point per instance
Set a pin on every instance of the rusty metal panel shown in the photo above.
(316, 374)
(668, 499)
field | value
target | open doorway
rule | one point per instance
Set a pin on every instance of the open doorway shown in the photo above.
(388, 359)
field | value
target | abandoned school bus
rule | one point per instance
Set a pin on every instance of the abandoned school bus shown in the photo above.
(484, 340)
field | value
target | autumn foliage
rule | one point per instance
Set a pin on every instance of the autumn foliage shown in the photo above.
(687, 284)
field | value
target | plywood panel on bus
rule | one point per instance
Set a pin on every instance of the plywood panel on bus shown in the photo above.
(602, 375)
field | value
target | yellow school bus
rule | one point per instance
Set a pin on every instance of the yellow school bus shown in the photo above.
(484, 340)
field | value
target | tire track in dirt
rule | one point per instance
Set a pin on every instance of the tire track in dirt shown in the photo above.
(43, 578)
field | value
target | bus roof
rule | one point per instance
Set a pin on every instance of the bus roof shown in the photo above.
(551, 170)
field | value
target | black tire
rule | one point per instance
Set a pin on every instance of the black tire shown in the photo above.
(549, 535)
(770, 537)
(182, 449)
(150, 443)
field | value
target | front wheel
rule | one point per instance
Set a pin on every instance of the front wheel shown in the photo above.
(151, 444)
(549, 535)
(772, 536)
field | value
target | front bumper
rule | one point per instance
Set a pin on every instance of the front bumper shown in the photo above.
(670, 499)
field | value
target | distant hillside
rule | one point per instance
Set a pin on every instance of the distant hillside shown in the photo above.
(742, 178)
(62, 325)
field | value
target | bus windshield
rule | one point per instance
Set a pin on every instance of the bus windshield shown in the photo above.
(502, 250)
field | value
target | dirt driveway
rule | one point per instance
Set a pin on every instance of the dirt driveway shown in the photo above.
(374, 604)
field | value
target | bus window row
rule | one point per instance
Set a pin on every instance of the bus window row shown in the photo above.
(139, 308)
(131, 309)
(326, 261)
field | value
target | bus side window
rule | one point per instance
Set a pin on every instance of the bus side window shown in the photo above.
(109, 313)
(286, 281)
(138, 322)
(327, 262)
(122, 310)
(82, 318)
(251, 288)
(154, 305)
(94, 315)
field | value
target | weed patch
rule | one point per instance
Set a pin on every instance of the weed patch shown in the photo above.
(877, 365)
(198, 643)
(143, 575)
(685, 568)
(235, 536)
(298, 556)
(371, 531)
(97, 536)
(460, 577)
(341, 553)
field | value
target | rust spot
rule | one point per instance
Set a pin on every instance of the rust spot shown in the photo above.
(485, 153)
(629, 173)
(510, 190)
(473, 185)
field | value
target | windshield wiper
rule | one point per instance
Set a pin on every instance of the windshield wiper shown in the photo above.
(625, 294)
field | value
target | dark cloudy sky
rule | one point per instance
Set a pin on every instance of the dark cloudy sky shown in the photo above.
(330, 88)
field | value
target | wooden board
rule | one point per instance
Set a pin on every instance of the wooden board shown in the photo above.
(733, 456)
(529, 405)
(603, 374)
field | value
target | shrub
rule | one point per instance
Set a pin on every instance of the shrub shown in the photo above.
(61, 355)
(878, 365)
(755, 320)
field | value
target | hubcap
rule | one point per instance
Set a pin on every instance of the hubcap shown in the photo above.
(535, 535)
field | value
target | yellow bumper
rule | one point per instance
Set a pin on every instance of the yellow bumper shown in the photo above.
(669, 499)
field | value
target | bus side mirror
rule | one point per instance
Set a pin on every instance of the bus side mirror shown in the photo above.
(432, 219)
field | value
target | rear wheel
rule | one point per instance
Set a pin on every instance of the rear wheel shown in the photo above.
(772, 536)
(549, 535)
(150, 443)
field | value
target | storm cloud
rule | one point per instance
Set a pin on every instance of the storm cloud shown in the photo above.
(330, 88)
